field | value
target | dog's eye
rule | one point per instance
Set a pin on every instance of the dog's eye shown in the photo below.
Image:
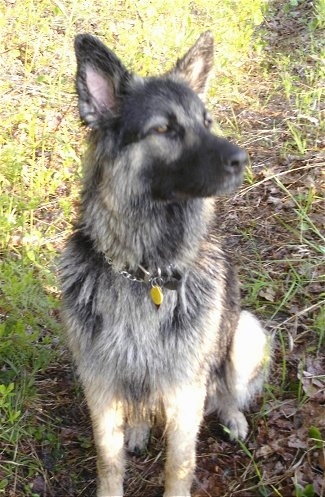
(171, 130)
(207, 120)
(163, 128)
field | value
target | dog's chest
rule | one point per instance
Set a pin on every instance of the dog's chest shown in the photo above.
(142, 346)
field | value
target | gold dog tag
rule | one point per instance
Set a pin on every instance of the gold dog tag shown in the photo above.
(156, 295)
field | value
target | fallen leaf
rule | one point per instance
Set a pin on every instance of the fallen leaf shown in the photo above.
(268, 294)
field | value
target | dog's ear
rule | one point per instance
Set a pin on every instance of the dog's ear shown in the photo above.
(196, 64)
(100, 79)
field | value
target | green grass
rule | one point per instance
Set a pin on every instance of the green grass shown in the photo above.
(264, 95)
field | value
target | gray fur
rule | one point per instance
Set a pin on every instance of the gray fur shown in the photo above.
(150, 171)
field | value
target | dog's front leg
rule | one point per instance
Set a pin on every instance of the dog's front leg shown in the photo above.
(184, 411)
(108, 426)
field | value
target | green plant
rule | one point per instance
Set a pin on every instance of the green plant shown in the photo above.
(9, 413)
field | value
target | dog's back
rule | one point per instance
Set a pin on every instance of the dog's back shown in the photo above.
(151, 301)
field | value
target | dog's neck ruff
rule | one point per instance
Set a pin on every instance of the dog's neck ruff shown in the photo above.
(170, 279)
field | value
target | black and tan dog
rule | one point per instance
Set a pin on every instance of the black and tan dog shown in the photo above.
(151, 300)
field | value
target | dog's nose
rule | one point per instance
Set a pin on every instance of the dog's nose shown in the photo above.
(237, 161)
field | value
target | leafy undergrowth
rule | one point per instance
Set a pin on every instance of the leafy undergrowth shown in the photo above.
(266, 94)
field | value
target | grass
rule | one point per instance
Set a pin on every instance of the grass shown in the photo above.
(266, 94)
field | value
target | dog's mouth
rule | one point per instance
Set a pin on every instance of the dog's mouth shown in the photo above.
(184, 186)
(229, 185)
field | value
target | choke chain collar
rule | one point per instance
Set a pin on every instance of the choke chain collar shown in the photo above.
(156, 281)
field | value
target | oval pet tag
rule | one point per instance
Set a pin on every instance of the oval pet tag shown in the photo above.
(156, 295)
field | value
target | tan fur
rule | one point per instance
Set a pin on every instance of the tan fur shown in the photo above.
(150, 176)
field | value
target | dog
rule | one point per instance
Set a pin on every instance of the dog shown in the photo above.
(150, 297)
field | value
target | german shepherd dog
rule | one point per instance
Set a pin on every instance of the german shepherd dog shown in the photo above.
(151, 300)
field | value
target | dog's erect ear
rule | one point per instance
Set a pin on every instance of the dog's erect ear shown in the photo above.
(100, 78)
(196, 64)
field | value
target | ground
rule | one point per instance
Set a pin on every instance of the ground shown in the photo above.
(267, 96)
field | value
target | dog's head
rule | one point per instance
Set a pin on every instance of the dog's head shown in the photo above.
(162, 121)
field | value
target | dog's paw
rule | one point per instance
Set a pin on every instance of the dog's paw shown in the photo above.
(238, 426)
(137, 438)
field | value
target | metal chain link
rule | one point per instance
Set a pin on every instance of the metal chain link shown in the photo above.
(131, 277)
(157, 280)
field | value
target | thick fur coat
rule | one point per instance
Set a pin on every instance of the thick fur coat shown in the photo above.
(150, 175)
